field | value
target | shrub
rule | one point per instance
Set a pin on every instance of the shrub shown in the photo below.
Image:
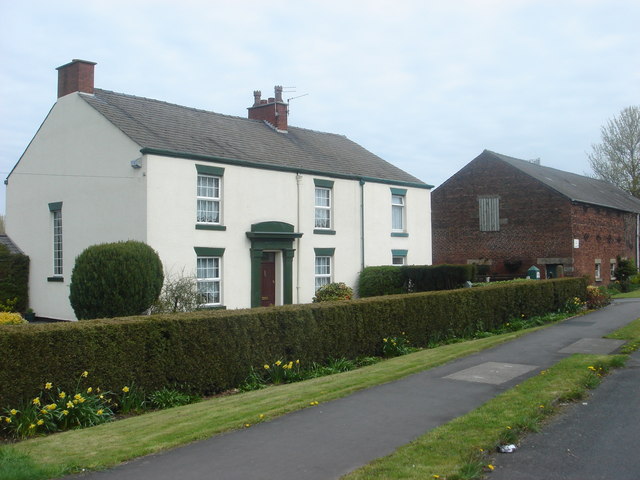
(8, 318)
(14, 279)
(597, 297)
(376, 281)
(625, 270)
(179, 294)
(332, 292)
(115, 279)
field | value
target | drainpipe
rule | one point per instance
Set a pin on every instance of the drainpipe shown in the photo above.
(361, 224)
(297, 257)
(637, 239)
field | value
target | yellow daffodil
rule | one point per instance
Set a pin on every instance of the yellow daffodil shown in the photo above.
(89, 390)
(48, 386)
(65, 412)
(85, 374)
(62, 395)
(125, 389)
(278, 362)
(43, 411)
(32, 426)
(266, 367)
(40, 422)
(36, 401)
(77, 396)
(247, 425)
(7, 419)
(51, 406)
(69, 404)
(99, 412)
(13, 411)
(491, 467)
(261, 416)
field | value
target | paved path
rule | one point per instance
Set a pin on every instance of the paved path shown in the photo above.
(595, 439)
(337, 437)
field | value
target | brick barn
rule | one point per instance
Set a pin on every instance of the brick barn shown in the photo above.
(506, 214)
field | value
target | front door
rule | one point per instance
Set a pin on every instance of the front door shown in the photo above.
(268, 279)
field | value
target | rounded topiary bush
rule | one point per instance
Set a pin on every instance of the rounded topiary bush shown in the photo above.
(115, 279)
(333, 291)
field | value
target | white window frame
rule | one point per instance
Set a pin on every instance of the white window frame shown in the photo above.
(319, 221)
(209, 196)
(398, 260)
(613, 264)
(489, 213)
(58, 268)
(398, 212)
(209, 279)
(322, 277)
(598, 270)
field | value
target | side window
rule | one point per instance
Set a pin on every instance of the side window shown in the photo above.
(489, 214)
(598, 270)
(612, 268)
(323, 206)
(398, 209)
(56, 214)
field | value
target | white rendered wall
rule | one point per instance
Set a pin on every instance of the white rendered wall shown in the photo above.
(255, 195)
(80, 159)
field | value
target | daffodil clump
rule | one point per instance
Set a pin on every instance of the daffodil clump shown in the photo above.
(396, 346)
(574, 305)
(11, 318)
(283, 372)
(56, 410)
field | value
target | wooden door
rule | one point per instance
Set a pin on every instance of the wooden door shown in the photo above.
(268, 279)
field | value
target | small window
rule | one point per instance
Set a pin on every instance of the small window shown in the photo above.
(397, 212)
(56, 215)
(208, 193)
(398, 257)
(209, 279)
(323, 208)
(598, 271)
(322, 271)
(612, 269)
(489, 213)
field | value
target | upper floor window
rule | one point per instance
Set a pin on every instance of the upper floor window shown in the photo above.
(209, 195)
(489, 214)
(323, 206)
(398, 207)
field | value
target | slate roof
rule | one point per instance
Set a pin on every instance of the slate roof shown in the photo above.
(156, 125)
(7, 242)
(575, 187)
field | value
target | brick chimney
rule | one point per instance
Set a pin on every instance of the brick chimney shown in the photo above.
(273, 110)
(76, 76)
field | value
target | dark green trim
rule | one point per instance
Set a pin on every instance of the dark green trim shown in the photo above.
(319, 231)
(319, 182)
(398, 191)
(55, 206)
(55, 279)
(324, 252)
(262, 166)
(399, 253)
(208, 251)
(399, 234)
(210, 170)
(272, 227)
(204, 226)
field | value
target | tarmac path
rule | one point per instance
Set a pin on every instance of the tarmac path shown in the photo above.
(330, 440)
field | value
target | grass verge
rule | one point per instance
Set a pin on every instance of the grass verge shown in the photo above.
(113, 443)
(462, 448)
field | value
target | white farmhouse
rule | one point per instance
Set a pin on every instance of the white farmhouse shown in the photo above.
(260, 212)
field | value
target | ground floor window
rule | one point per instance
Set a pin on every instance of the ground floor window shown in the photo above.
(398, 257)
(209, 279)
(322, 271)
(598, 270)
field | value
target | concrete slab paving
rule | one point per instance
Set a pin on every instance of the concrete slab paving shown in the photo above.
(335, 438)
(495, 373)
(594, 346)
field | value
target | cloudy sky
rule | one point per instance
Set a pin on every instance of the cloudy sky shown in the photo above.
(425, 84)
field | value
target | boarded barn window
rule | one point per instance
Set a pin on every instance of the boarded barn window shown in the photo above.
(489, 214)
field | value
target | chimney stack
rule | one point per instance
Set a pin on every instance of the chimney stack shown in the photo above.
(76, 76)
(273, 110)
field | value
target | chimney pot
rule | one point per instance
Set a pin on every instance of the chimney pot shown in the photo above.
(278, 92)
(76, 76)
(256, 97)
(272, 111)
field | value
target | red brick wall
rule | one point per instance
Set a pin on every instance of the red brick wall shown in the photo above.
(604, 234)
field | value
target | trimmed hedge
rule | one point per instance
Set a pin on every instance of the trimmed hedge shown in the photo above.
(390, 280)
(14, 278)
(211, 351)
